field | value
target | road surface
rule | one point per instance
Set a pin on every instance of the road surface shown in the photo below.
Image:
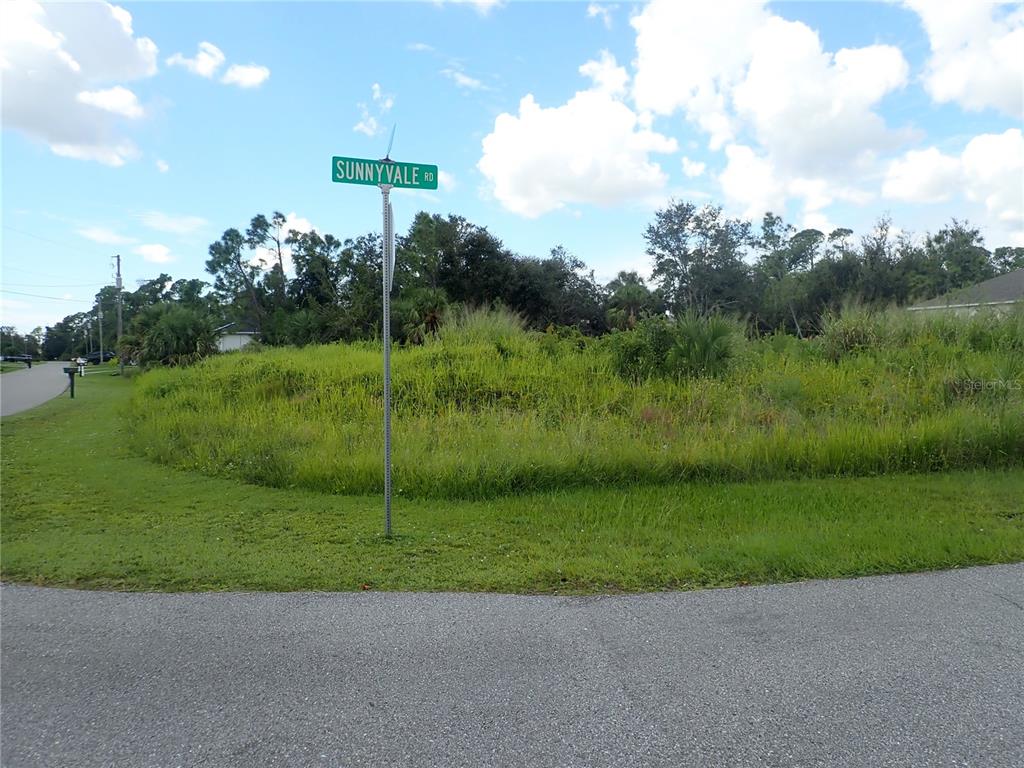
(918, 670)
(21, 390)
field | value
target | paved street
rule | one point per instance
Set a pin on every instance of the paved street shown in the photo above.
(21, 390)
(919, 670)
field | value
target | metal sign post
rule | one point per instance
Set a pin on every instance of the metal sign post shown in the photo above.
(385, 190)
(386, 174)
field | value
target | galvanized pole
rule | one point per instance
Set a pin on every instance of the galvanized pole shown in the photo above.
(120, 326)
(386, 286)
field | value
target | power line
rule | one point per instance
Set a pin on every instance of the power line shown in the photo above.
(38, 296)
(39, 285)
(53, 242)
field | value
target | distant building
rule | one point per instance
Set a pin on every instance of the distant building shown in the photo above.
(1000, 294)
(229, 340)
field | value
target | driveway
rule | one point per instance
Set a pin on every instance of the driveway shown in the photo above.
(917, 670)
(21, 390)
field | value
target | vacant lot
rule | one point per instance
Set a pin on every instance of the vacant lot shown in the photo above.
(487, 409)
(82, 508)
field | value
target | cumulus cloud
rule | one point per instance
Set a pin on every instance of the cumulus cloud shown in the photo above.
(606, 74)
(205, 63)
(994, 169)
(246, 75)
(692, 168)
(446, 181)
(162, 166)
(989, 171)
(976, 58)
(601, 11)
(371, 114)
(155, 253)
(178, 225)
(814, 111)
(751, 181)
(592, 149)
(209, 59)
(923, 176)
(794, 120)
(690, 56)
(118, 100)
(53, 57)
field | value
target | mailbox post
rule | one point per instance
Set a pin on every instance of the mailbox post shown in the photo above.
(71, 377)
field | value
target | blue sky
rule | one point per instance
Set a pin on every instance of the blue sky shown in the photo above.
(146, 129)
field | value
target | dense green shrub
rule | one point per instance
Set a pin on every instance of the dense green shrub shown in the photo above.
(487, 409)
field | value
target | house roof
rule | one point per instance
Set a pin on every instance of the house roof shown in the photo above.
(1004, 289)
(223, 331)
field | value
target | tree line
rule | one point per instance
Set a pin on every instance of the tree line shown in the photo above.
(704, 262)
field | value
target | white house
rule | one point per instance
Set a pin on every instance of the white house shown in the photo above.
(229, 341)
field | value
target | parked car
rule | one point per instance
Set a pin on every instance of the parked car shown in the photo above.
(26, 359)
(94, 357)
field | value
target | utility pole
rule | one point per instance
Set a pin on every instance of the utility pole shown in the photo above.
(120, 358)
(99, 314)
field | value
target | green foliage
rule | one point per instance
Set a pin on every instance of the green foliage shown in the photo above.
(475, 326)
(703, 346)
(643, 352)
(690, 346)
(170, 334)
(149, 527)
(486, 409)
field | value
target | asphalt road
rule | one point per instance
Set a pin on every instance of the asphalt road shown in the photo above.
(920, 670)
(21, 390)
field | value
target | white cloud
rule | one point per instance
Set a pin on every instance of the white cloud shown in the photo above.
(446, 181)
(382, 103)
(104, 235)
(115, 155)
(994, 171)
(602, 11)
(246, 75)
(690, 55)
(814, 111)
(118, 100)
(367, 124)
(179, 225)
(155, 253)
(462, 80)
(751, 181)
(206, 62)
(53, 58)
(420, 47)
(483, 7)
(692, 168)
(795, 120)
(606, 74)
(162, 166)
(209, 59)
(976, 58)
(923, 176)
(990, 171)
(593, 149)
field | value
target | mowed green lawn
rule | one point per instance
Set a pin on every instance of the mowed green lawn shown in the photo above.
(79, 509)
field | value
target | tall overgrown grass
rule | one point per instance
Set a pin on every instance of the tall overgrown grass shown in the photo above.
(486, 408)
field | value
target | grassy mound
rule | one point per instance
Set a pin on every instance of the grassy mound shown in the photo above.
(487, 409)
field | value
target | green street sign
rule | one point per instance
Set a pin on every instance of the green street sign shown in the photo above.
(354, 170)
